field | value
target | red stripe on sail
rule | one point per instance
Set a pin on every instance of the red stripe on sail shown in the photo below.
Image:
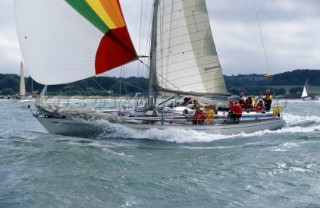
(115, 49)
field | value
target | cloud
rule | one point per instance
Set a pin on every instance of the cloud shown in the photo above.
(9, 46)
(289, 27)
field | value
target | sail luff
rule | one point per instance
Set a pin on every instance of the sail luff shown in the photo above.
(187, 59)
(22, 82)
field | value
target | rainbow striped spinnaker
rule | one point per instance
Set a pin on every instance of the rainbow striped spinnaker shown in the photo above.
(63, 41)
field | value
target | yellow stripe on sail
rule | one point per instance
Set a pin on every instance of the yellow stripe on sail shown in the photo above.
(100, 11)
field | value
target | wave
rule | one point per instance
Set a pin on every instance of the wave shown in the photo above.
(299, 101)
(168, 135)
(303, 121)
(295, 124)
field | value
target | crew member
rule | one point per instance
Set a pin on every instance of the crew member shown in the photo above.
(268, 100)
(209, 114)
(198, 117)
(248, 105)
(242, 100)
(185, 101)
(235, 111)
(196, 104)
(259, 105)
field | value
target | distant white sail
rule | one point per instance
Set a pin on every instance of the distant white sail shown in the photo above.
(187, 59)
(304, 92)
(22, 82)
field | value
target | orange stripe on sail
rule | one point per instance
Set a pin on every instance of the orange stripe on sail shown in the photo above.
(112, 7)
(102, 13)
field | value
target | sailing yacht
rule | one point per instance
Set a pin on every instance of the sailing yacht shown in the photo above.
(304, 95)
(23, 96)
(66, 41)
(22, 83)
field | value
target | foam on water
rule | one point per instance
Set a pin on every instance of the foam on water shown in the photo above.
(294, 120)
(296, 167)
(295, 124)
(287, 146)
(169, 135)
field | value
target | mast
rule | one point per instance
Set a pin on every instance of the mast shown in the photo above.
(152, 70)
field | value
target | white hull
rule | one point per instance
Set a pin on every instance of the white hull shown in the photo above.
(65, 126)
(306, 98)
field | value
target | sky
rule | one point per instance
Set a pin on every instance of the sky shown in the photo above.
(290, 33)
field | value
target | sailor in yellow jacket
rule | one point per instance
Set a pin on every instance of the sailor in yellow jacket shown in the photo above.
(209, 113)
(268, 100)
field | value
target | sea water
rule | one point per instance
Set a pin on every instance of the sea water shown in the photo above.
(152, 168)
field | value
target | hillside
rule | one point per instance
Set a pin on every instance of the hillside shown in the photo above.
(288, 84)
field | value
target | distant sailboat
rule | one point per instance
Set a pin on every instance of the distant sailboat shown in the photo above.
(22, 93)
(23, 96)
(22, 82)
(305, 95)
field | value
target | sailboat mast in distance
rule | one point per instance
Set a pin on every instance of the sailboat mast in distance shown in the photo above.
(22, 82)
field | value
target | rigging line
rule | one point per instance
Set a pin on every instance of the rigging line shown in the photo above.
(126, 83)
(144, 64)
(264, 48)
(122, 75)
(167, 81)
(161, 38)
(169, 43)
(140, 35)
(140, 28)
(148, 44)
(93, 78)
(143, 23)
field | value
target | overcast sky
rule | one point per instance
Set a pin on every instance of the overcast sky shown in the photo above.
(290, 30)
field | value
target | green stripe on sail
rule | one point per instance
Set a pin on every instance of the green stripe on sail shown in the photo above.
(86, 11)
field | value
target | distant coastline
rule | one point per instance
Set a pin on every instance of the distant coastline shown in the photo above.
(287, 84)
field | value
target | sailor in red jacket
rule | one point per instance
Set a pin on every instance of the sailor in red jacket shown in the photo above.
(235, 111)
(198, 116)
(259, 106)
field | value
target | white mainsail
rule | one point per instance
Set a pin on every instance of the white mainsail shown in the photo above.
(22, 82)
(187, 59)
